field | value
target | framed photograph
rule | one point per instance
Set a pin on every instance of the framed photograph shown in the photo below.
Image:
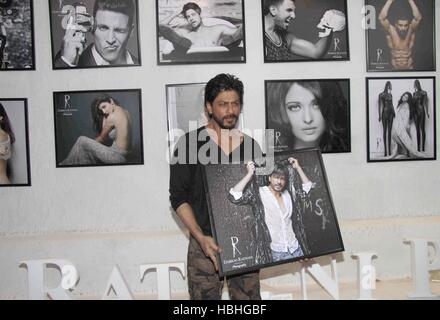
(200, 31)
(186, 111)
(94, 33)
(98, 128)
(401, 119)
(304, 30)
(309, 114)
(17, 50)
(400, 35)
(260, 220)
(14, 143)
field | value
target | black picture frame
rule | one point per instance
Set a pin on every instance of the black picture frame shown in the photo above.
(17, 42)
(174, 49)
(238, 227)
(307, 16)
(81, 13)
(378, 53)
(327, 125)
(18, 165)
(73, 123)
(404, 144)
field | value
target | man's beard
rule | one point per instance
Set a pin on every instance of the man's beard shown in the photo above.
(221, 121)
(402, 34)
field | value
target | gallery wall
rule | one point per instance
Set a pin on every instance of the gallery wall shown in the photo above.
(98, 217)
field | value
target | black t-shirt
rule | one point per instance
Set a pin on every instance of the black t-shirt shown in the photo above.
(186, 179)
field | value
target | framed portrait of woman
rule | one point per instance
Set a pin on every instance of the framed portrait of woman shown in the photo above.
(14, 143)
(193, 32)
(254, 229)
(301, 30)
(400, 35)
(309, 114)
(98, 128)
(94, 34)
(17, 50)
(401, 119)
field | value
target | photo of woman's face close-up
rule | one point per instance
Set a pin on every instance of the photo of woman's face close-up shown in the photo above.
(304, 115)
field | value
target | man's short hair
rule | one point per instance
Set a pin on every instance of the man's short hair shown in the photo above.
(268, 3)
(222, 82)
(191, 5)
(121, 6)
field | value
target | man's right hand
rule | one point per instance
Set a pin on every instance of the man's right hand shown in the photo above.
(210, 249)
(250, 167)
(73, 43)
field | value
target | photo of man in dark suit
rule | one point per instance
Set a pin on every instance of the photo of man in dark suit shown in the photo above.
(111, 24)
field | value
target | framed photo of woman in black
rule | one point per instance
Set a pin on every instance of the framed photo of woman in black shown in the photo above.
(309, 114)
(98, 128)
(401, 119)
(190, 32)
(261, 219)
(400, 35)
(301, 30)
(17, 51)
(94, 33)
(14, 143)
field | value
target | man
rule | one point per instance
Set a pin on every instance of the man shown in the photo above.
(386, 116)
(112, 27)
(281, 45)
(282, 212)
(194, 33)
(401, 35)
(223, 101)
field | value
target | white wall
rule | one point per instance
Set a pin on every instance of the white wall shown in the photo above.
(99, 217)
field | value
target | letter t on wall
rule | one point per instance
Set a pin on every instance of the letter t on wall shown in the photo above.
(163, 277)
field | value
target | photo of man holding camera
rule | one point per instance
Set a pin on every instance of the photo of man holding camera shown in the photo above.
(112, 27)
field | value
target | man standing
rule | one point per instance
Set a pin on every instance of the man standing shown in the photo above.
(113, 24)
(401, 35)
(421, 112)
(194, 33)
(217, 142)
(281, 45)
(281, 212)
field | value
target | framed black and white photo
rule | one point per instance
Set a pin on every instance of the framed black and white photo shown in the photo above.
(254, 229)
(14, 143)
(94, 33)
(98, 128)
(200, 31)
(401, 119)
(304, 30)
(309, 114)
(400, 35)
(186, 110)
(17, 51)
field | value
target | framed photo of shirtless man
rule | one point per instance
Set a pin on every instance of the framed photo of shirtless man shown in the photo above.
(400, 35)
(16, 35)
(197, 31)
(401, 119)
(276, 210)
(301, 30)
(98, 128)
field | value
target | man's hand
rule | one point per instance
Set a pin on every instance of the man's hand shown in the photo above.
(294, 162)
(73, 43)
(250, 167)
(210, 249)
